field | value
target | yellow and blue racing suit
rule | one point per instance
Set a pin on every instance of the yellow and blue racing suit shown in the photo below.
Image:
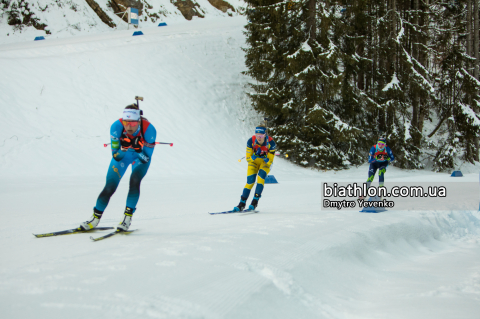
(258, 165)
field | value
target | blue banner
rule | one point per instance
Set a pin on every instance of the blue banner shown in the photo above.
(132, 16)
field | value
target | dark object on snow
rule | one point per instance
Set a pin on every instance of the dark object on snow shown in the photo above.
(457, 174)
(271, 180)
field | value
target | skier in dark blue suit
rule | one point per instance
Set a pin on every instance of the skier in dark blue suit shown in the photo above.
(379, 157)
(132, 142)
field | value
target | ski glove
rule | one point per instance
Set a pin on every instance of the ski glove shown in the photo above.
(125, 142)
(137, 144)
(266, 160)
(253, 157)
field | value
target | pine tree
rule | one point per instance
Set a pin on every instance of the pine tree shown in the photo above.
(459, 124)
(301, 94)
(333, 74)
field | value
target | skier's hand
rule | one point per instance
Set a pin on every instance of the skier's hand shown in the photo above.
(137, 144)
(253, 157)
(126, 143)
(266, 160)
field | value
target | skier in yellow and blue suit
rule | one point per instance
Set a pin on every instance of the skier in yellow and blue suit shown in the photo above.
(260, 154)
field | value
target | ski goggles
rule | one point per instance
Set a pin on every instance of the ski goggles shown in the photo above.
(129, 123)
(381, 144)
(258, 135)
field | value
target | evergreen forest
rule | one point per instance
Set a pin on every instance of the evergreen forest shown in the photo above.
(334, 76)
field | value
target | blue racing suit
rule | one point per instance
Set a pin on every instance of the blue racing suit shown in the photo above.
(381, 165)
(122, 159)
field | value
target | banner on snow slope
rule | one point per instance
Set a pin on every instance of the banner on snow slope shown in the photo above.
(132, 16)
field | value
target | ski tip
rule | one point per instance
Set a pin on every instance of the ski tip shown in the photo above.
(43, 235)
(96, 239)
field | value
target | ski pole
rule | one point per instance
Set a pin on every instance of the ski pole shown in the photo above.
(162, 143)
(276, 154)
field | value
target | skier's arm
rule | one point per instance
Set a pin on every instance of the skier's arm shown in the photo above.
(116, 131)
(147, 151)
(271, 152)
(371, 155)
(250, 151)
(390, 154)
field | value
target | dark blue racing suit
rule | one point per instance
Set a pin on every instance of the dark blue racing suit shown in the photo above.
(374, 158)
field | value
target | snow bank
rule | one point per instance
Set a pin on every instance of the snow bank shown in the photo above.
(23, 20)
(61, 96)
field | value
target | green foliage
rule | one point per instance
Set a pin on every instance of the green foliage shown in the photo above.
(298, 76)
(333, 74)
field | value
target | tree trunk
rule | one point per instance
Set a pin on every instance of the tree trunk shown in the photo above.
(469, 30)
(475, 37)
(475, 48)
(424, 22)
(311, 25)
(394, 33)
(380, 75)
(311, 89)
(415, 53)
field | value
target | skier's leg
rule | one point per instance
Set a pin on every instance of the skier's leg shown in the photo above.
(381, 174)
(371, 174)
(139, 170)
(251, 176)
(262, 174)
(114, 175)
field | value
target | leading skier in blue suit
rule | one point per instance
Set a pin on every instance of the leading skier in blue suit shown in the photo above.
(132, 142)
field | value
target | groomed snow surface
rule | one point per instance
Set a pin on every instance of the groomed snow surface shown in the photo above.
(291, 260)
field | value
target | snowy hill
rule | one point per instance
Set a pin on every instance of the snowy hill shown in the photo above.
(74, 89)
(23, 20)
(290, 260)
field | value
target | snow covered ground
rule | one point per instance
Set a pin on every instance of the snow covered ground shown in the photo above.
(66, 18)
(291, 260)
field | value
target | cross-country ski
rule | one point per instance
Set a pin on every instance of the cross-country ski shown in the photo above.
(71, 231)
(236, 212)
(116, 232)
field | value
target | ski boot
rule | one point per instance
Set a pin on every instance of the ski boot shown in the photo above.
(90, 224)
(241, 205)
(127, 220)
(254, 203)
